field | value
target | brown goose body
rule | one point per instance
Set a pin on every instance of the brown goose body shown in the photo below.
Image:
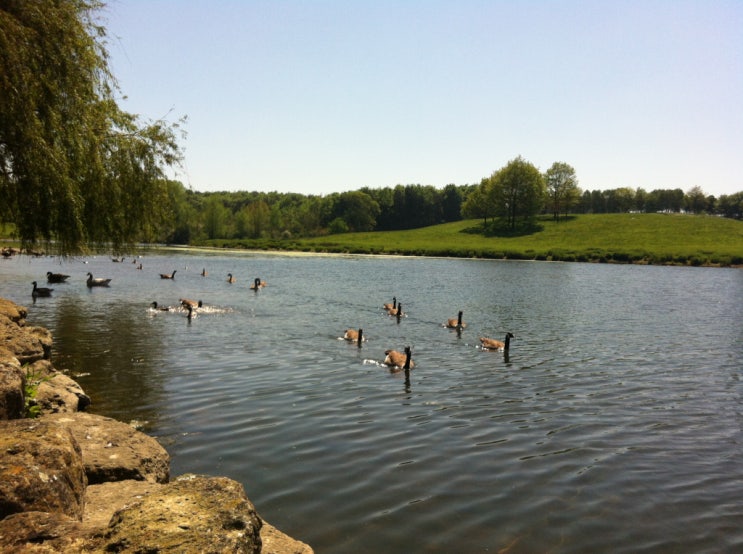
(394, 358)
(257, 284)
(168, 275)
(353, 335)
(494, 344)
(185, 302)
(456, 323)
(396, 311)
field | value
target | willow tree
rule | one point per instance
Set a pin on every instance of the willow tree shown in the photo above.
(76, 171)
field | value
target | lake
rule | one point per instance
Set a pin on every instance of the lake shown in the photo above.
(613, 423)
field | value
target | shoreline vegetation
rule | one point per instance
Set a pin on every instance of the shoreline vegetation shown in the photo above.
(628, 238)
(648, 239)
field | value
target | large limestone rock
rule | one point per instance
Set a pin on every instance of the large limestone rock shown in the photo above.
(33, 343)
(56, 391)
(41, 469)
(276, 542)
(192, 514)
(115, 451)
(13, 311)
(102, 501)
(12, 383)
(42, 532)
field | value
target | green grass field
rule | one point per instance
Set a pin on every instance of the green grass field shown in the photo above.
(618, 238)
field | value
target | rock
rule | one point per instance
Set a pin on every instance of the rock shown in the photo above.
(276, 542)
(41, 469)
(28, 344)
(103, 500)
(192, 514)
(41, 532)
(56, 391)
(12, 383)
(13, 311)
(115, 451)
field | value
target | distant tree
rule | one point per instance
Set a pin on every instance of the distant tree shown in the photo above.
(623, 200)
(358, 210)
(585, 205)
(338, 225)
(518, 192)
(641, 196)
(451, 203)
(179, 227)
(477, 204)
(562, 188)
(215, 217)
(731, 205)
(695, 200)
(74, 168)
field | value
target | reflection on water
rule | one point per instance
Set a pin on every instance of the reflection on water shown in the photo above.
(114, 348)
(612, 423)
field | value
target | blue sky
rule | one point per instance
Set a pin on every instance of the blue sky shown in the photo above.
(328, 96)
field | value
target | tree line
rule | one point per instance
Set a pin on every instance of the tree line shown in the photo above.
(510, 200)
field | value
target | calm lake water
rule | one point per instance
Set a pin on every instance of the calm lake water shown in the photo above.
(615, 422)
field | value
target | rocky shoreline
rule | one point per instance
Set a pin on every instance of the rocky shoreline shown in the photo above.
(73, 481)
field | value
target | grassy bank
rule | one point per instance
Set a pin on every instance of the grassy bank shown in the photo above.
(623, 238)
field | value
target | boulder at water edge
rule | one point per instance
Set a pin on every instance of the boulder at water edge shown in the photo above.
(41, 469)
(114, 451)
(191, 514)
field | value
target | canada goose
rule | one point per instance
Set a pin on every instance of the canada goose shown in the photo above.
(456, 323)
(56, 277)
(401, 360)
(139, 266)
(230, 278)
(203, 272)
(185, 302)
(396, 311)
(98, 282)
(353, 335)
(118, 260)
(257, 284)
(41, 291)
(161, 308)
(389, 306)
(493, 344)
(168, 275)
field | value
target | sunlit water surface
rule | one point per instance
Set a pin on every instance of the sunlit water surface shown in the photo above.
(613, 424)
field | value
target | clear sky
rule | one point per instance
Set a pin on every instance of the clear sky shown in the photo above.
(321, 96)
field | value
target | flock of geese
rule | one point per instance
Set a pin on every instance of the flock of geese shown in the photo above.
(62, 278)
(394, 359)
(403, 360)
(190, 306)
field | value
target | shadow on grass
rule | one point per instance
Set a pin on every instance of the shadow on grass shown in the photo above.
(498, 229)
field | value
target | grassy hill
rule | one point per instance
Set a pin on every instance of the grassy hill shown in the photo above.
(624, 238)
